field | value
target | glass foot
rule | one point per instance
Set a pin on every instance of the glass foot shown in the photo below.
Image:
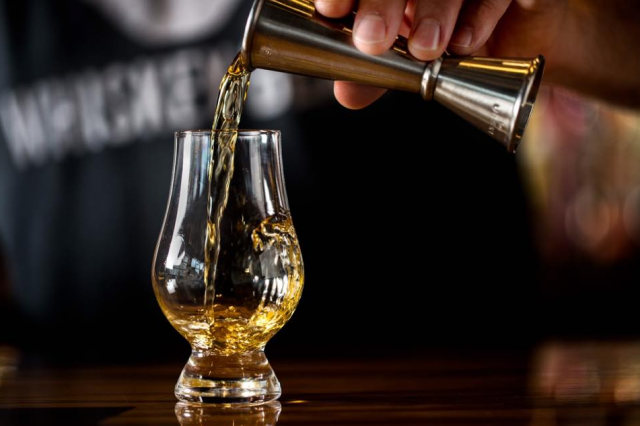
(227, 379)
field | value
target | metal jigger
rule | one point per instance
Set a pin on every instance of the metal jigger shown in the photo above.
(495, 95)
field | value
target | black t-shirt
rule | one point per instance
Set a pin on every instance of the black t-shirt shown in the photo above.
(411, 222)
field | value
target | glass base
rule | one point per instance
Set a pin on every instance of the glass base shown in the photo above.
(210, 378)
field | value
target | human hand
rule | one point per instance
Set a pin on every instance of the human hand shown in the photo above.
(586, 43)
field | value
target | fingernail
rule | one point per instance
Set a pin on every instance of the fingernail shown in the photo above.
(426, 37)
(370, 29)
(462, 37)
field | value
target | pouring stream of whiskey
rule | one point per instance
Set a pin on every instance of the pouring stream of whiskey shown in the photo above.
(231, 99)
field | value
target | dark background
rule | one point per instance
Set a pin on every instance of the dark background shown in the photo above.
(416, 231)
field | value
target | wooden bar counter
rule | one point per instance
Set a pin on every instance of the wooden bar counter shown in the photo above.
(555, 384)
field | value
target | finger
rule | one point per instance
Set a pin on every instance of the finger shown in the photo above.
(377, 24)
(407, 19)
(433, 24)
(410, 11)
(476, 22)
(356, 96)
(334, 8)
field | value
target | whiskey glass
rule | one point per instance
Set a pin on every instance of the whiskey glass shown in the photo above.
(257, 279)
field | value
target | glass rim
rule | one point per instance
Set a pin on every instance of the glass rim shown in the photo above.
(241, 132)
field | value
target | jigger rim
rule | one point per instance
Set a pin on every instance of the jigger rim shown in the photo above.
(247, 40)
(525, 103)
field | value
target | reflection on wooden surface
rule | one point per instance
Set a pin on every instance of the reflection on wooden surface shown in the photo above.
(594, 383)
(262, 415)
(588, 373)
(559, 384)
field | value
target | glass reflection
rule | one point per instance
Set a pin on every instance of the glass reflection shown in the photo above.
(261, 415)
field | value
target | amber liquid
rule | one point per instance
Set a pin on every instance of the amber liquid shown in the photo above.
(231, 100)
(253, 270)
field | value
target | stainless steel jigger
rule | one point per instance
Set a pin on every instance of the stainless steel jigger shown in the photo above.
(495, 95)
